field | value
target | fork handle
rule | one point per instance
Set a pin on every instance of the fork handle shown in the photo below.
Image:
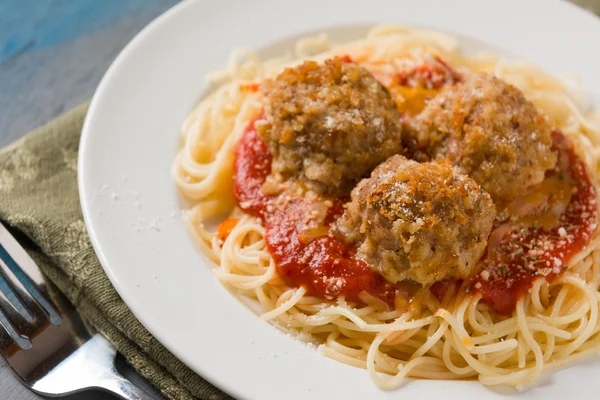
(123, 388)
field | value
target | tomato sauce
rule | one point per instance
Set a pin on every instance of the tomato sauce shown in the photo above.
(525, 252)
(325, 265)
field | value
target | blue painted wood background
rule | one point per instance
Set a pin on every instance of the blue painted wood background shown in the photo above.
(53, 53)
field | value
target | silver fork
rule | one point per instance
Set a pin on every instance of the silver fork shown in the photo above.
(43, 338)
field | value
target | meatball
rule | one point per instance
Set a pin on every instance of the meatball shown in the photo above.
(418, 221)
(327, 125)
(488, 129)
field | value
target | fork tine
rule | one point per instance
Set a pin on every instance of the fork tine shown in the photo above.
(14, 316)
(8, 297)
(23, 278)
(17, 314)
(9, 336)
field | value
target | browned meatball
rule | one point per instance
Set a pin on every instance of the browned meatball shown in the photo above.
(418, 221)
(327, 125)
(488, 129)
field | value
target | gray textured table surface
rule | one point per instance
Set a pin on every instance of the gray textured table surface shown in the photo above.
(52, 55)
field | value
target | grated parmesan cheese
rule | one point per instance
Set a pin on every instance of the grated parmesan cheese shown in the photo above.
(562, 232)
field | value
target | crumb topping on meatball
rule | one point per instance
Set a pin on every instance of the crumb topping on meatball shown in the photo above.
(487, 128)
(327, 125)
(418, 221)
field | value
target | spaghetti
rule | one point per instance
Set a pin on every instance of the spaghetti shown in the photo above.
(450, 331)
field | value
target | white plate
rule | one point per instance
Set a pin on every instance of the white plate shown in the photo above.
(131, 207)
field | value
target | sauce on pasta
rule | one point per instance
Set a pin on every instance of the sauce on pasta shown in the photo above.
(325, 265)
(525, 251)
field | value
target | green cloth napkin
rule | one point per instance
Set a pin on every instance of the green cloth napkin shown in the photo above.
(590, 5)
(39, 198)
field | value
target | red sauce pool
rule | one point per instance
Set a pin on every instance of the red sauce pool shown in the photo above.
(327, 267)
